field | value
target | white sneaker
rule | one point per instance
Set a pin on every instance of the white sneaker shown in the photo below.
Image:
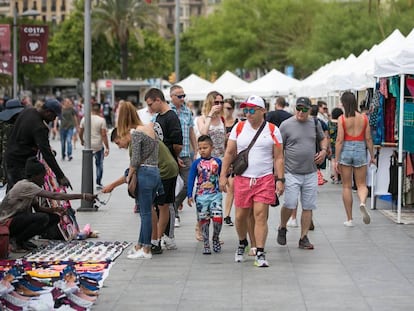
(365, 216)
(239, 256)
(132, 250)
(140, 254)
(348, 223)
(292, 222)
(177, 222)
(170, 243)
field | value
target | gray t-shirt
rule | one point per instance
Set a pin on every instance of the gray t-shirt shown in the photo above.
(19, 199)
(299, 142)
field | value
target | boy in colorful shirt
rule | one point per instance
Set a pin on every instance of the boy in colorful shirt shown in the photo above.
(206, 170)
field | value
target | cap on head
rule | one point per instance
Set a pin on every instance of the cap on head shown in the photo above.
(303, 101)
(12, 107)
(253, 101)
(53, 105)
(34, 167)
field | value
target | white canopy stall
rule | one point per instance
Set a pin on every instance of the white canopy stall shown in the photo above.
(195, 88)
(228, 82)
(273, 84)
(398, 63)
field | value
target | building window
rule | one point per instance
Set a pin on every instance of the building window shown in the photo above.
(44, 6)
(53, 8)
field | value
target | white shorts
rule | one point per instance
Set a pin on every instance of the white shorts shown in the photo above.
(305, 185)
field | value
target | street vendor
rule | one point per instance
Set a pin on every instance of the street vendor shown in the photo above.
(19, 203)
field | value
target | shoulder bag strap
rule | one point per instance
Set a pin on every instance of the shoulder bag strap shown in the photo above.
(256, 136)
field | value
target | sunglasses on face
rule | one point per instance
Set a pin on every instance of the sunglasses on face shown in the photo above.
(218, 102)
(180, 96)
(228, 108)
(302, 109)
(249, 110)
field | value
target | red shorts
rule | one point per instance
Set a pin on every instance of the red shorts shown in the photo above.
(248, 190)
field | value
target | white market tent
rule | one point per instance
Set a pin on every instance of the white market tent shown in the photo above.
(228, 82)
(401, 62)
(352, 73)
(273, 84)
(359, 74)
(195, 88)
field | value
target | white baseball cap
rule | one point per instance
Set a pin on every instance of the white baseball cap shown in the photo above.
(253, 101)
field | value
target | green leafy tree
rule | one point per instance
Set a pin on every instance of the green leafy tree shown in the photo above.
(118, 20)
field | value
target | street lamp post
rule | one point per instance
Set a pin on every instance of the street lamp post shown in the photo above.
(25, 13)
(15, 50)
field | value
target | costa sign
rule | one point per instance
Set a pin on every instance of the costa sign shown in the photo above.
(33, 44)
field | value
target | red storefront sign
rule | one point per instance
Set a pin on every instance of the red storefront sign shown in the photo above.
(33, 44)
(5, 38)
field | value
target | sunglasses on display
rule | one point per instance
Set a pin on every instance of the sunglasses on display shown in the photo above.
(302, 109)
(180, 96)
(218, 102)
(249, 110)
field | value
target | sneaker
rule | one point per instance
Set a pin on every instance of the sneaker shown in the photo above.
(206, 250)
(156, 249)
(348, 223)
(292, 222)
(132, 250)
(261, 261)
(70, 158)
(238, 257)
(216, 246)
(365, 216)
(177, 222)
(305, 244)
(281, 236)
(140, 254)
(99, 187)
(16, 248)
(227, 221)
(311, 226)
(169, 243)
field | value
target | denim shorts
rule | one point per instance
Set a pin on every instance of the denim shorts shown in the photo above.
(353, 153)
(303, 185)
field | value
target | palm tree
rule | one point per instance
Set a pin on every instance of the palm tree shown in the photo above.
(117, 20)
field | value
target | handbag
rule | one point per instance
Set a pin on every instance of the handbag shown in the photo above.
(241, 162)
(132, 186)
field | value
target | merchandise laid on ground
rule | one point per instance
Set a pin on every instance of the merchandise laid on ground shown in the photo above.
(57, 275)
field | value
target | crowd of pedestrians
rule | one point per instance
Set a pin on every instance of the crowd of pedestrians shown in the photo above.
(284, 150)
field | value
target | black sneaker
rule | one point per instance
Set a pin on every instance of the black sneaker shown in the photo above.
(28, 245)
(227, 221)
(312, 226)
(156, 249)
(305, 244)
(281, 236)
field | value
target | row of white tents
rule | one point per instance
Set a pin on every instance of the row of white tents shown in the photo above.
(390, 57)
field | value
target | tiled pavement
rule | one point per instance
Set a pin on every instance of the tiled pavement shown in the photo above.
(368, 267)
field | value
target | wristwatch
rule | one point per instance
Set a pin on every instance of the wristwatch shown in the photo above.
(281, 179)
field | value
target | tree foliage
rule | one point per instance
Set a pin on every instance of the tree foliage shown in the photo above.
(118, 20)
(266, 34)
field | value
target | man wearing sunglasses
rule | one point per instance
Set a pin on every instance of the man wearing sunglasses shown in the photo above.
(300, 134)
(189, 139)
(255, 188)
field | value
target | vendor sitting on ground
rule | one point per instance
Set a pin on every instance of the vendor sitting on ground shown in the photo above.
(18, 203)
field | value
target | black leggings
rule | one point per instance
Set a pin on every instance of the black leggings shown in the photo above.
(25, 226)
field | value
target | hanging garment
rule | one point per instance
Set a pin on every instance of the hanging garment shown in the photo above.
(410, 85)
(389, 120)
(383, 87)
(393, 186)
(408, 127)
